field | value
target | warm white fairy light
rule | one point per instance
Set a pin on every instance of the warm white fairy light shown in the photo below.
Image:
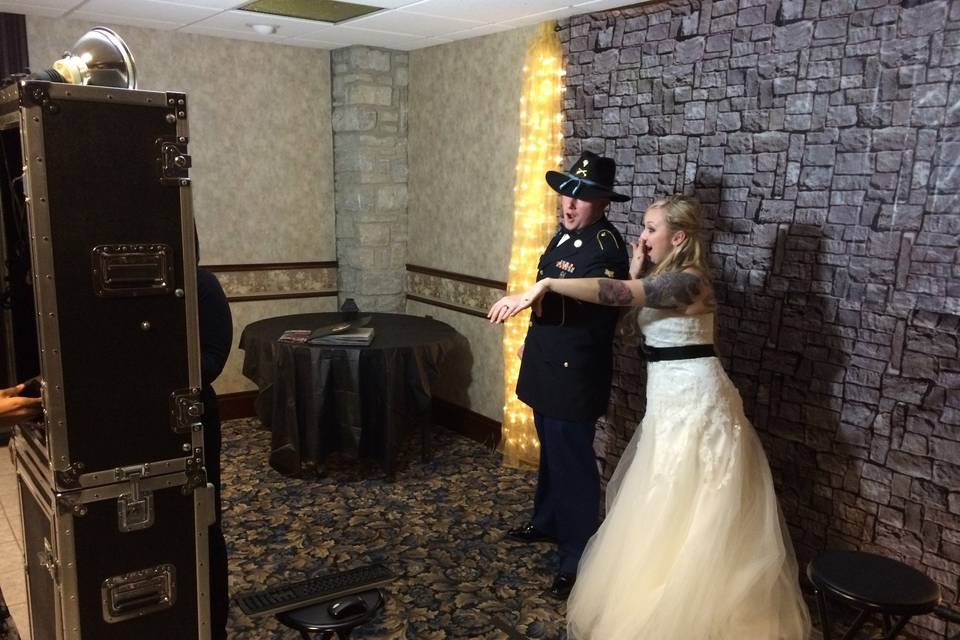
(534, 220)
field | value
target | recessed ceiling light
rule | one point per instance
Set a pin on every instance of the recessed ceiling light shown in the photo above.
(320, 10)
(264, 29)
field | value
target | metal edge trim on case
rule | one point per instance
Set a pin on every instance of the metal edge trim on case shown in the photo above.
(66, 550)
(204, 503)
(43, 500)
(106, 94)
(178, 101)
(45, 290)
(108, 476)
(188, 231)
(115, 490)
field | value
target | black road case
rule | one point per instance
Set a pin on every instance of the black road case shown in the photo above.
(100, 191)
(119, 561)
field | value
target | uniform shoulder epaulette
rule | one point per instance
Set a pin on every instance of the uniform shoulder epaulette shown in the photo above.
(607, 236)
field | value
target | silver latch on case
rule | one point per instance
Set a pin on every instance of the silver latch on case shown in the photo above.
(175, 162)
(48, 560)
(185, 411)
(134, 509)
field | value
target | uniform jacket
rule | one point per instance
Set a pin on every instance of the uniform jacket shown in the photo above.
(567, 356)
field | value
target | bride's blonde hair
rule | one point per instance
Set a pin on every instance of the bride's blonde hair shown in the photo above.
(683, 213)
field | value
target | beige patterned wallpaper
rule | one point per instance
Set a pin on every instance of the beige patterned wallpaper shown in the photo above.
(260, 134)
(468, 297)
(464, 123)
(272, 282)
(261, 143)
(464, 119)
(473, 376)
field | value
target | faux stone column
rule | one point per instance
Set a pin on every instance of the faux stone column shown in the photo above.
(370, 174)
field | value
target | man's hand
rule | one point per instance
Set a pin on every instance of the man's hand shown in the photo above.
(15, 408)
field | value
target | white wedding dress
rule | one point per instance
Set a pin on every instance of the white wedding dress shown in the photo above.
(693, 546)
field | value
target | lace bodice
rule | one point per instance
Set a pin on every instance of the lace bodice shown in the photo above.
(666, 328)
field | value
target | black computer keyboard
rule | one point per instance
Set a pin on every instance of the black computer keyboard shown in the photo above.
(293, 595)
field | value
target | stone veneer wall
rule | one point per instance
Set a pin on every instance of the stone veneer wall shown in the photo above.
(370, 174)
(822, 138)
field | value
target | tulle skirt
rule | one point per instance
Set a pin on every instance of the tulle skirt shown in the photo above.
(693, 546)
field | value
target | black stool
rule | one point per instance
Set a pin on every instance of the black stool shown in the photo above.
(871, 584)
(949, 616)
(338, 616)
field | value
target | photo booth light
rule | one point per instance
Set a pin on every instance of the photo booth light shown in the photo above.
(99, 58)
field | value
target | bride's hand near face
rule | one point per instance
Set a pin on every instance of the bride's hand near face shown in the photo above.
(509, 306)
(638, 259)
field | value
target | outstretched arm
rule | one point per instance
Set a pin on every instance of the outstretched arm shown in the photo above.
(676, 290)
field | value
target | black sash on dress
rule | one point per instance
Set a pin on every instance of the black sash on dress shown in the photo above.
(686, 352)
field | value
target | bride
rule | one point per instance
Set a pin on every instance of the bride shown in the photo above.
(693, 546)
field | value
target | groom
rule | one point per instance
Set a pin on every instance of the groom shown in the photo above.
(566, 365)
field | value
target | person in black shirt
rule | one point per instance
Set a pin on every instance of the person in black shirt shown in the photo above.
(216, 337)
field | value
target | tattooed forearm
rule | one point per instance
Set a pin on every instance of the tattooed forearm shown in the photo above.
(671, 290)
(614, 293)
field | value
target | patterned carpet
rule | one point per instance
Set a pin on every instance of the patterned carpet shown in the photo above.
(439, 527)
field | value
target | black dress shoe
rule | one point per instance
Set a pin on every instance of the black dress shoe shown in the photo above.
(562, 585)
(529, 533)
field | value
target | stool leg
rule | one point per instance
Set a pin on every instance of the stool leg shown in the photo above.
(897, 628)
(856, 626)
(824, 615)
(344, 634)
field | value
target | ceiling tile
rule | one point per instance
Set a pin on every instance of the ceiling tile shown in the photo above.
(249, 34)
(476, 32)
(345, 36)
(488, 10)
(536, 18)
(49, 8)
(121, 21)
(219, 5)
(412, 23)
(240, 21)
(148, 13)
(310, 44)
(387, 4)
(602, 5)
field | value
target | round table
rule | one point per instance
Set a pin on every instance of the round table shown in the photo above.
(361, 400)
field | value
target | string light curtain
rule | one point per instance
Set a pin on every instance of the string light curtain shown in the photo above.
(534, 221)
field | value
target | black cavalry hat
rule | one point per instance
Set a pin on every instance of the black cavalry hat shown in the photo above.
(590, 178)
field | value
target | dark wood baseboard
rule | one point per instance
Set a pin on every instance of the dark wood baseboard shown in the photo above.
(237, 405)
(467, 423)
(463, 421)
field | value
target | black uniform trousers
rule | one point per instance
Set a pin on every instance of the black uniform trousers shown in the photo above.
(567, 502)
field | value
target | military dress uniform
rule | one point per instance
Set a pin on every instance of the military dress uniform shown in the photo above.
(565, 377)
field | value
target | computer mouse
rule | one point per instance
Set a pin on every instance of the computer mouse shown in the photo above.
(348, 607)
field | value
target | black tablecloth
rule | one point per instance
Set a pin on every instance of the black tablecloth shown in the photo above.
(361, 400)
